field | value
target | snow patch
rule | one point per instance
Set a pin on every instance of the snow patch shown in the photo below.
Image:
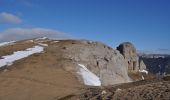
(143, 78)
(29, 41)
(103, 92)
(42, 44)
(89, 77)
(143, 71)
(42, 38)
(9, 59)
(118, 89)
(7, 43)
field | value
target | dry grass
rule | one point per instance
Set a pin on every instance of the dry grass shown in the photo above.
(37, 77)
(9, 49)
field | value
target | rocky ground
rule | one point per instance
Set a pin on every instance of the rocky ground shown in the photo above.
(141, 90)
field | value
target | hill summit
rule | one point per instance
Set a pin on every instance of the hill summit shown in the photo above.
(48, 67)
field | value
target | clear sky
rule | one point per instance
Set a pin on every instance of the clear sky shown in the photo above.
(145, 23)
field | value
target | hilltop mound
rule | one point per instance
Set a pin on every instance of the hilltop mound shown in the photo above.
(43, 69)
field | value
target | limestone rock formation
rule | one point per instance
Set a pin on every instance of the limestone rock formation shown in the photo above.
(108, 64)
(129, 52)
(142, 65)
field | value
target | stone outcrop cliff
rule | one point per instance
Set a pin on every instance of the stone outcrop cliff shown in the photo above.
(128, 50)
(108, 64)
(57, 72)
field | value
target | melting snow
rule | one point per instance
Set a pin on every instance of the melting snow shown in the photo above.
(42, 38)
(89, 77)
(6, 43)
(42, 44)
(9, 59)
(143, 78)
(118, 89)
(103, 92)
(143, 71)
(29, 41)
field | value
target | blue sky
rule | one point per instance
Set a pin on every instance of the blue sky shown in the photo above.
(145, 23)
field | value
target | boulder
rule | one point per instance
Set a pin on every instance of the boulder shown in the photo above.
(108, 64)
(142, 65)
(129, 52)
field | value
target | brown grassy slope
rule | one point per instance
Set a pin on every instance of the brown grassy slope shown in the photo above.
(9, 49)
(38, 77)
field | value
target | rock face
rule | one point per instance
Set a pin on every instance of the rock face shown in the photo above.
(142, 65)
(129, 52)
(108, 64)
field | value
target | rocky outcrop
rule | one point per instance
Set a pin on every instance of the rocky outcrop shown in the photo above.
(128, 50)
(55, 72)
(142, 65)
(108, 64)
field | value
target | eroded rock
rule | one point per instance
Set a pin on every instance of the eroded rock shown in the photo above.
(129, 52)
(108, 64)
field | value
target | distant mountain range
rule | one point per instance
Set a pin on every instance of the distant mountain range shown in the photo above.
(157, 51)
(157, 63)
